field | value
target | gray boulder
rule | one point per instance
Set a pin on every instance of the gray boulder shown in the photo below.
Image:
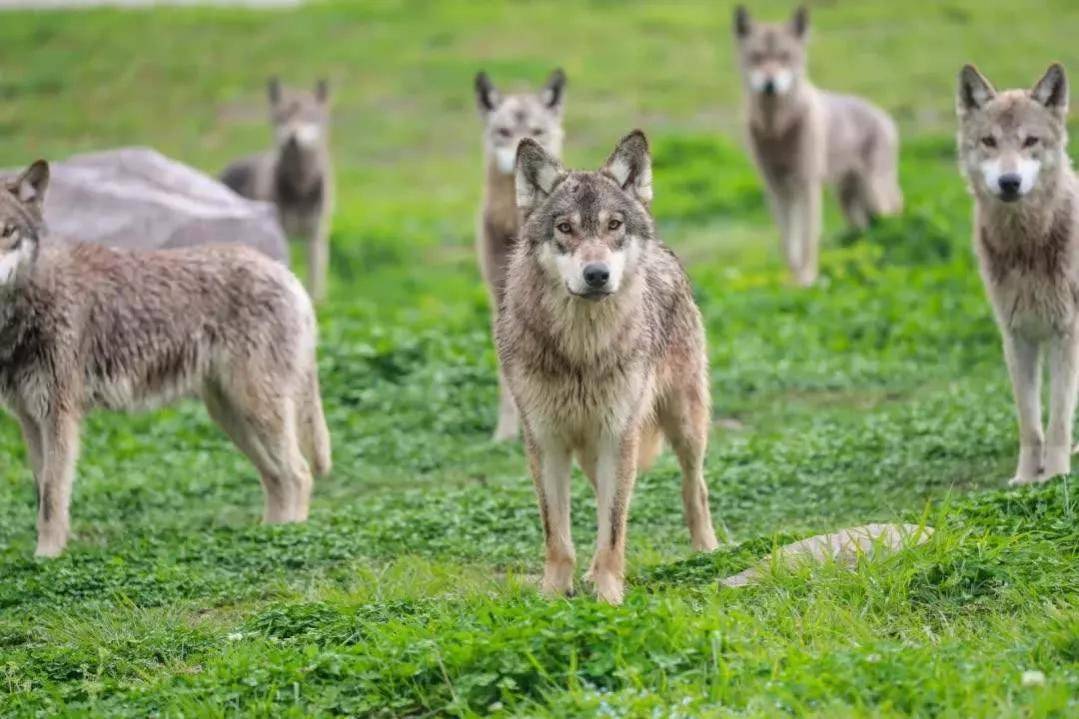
(137, 198)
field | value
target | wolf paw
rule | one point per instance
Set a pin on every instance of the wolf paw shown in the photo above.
(609, 589)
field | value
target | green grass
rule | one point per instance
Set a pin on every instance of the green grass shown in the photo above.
(878, 395)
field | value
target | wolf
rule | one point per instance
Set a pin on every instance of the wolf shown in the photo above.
(602, 347)
(297, 175)
(1026, 237)
(801, 137)
(507, 120)
(85, 326)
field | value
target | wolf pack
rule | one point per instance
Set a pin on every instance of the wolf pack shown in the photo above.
(601, 346)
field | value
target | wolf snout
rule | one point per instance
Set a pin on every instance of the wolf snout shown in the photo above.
(1009, 185)
(596, 275)
(769, 87)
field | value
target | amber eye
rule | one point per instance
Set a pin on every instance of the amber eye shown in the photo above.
(989, 141)
(504, 132)
(614, 225)
(1030, 141)
(564, 227)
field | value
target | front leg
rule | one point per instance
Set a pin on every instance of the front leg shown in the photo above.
(60, 451)
(805, 224)
(31, 432)
(616, 473)
(1024, 365)
(318, 258)
(550, 459)
(1064, 384)
(779, 200)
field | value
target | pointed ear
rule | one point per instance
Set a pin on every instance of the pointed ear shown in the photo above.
(536, 176)
(487, 97)
(800, 21)
(554, 91)
(273, 90)
(974, 90)
(1052, 89)
(742, 24)
(322, 91)
(29, 187)
(630, 165)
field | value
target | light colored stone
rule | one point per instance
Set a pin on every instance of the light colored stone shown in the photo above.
(137, 198)
(842, 547)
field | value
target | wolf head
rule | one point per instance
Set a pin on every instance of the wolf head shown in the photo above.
(772, 55)
(21, 223)
(586, 230)
(512, 118)
(301, 119)
(1012, 143)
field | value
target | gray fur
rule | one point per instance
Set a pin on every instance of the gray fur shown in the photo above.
(1027, 245)
(297, 175)
(84, 326)
(602, 373)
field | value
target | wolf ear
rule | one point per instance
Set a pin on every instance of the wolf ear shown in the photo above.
(29, 187)
(742, 24)
(322, 91)
(1052, 89)
(487, 97)
(800, 21)
(974, 90)
(273, 90)
(553, 92)
(630, 165)
(536, 176)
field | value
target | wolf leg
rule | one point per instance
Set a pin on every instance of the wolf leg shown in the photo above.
(685, 419)
(616, 473)
(550, 460)
(60, 451)
(805, 229)
(1064, 384)
(318, 259)
(31, 432)
(1024, 365)
(854, 201)
(508, 420)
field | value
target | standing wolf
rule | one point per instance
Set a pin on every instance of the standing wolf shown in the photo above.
(297, 175)
(1026, 236)
(507, 120)
(87, 326)
(802, 137)
(603, 349)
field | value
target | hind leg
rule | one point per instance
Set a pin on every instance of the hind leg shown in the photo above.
(685, 419)
(852, 201)
(264, 428)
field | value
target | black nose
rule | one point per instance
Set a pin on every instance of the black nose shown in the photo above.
(770, 87)
(596, 274)
(1010, 183)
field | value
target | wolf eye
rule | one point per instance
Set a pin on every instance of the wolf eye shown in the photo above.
(564, 227)
(537, 132)
(1030, 141)
(9, 230)
(614, 225)
(504, 132)
(989, 141)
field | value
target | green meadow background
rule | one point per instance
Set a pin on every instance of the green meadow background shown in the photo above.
(879, 395)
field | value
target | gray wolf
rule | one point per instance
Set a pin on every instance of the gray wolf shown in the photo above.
(1026, 237)
(85, 326)
(507, 119)
(297, 175)
(603, 349)
(802, 137)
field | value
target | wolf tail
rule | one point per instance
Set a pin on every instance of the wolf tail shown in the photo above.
(649, 447)
(314, 434)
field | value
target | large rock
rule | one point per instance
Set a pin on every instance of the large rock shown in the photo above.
(139, 199)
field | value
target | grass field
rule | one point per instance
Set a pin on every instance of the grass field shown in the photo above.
(878, 395)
